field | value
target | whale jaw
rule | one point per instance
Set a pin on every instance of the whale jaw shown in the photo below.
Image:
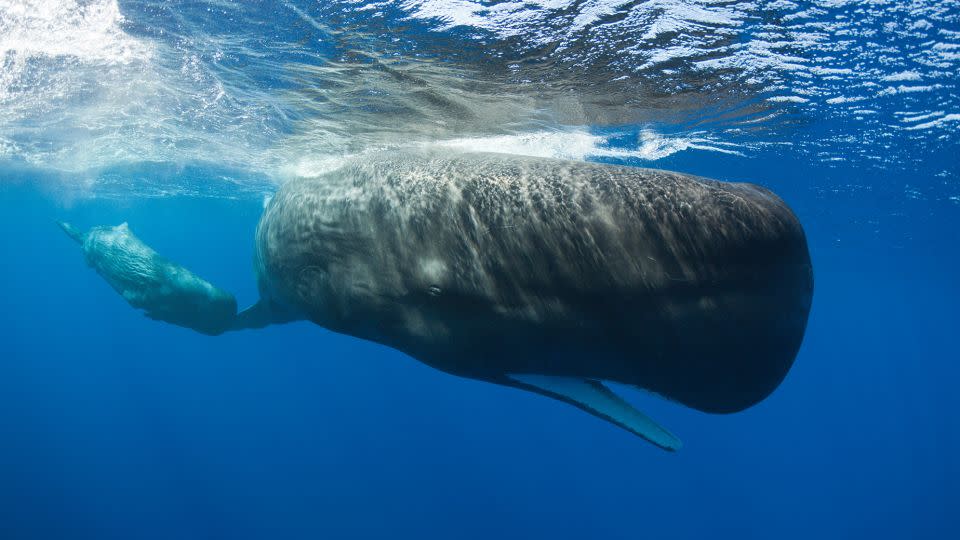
(595, 398)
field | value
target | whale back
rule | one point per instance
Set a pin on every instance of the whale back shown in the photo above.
(486, 265)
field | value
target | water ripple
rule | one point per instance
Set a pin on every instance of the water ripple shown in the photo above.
(264, 89)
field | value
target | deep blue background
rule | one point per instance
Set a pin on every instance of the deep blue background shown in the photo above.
(113, 426)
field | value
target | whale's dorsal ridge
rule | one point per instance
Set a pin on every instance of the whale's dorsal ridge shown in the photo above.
(595, 398)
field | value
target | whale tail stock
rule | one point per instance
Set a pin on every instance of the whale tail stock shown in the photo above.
(71, 231)
(165, 290)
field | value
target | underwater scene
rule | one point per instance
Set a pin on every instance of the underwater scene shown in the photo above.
(585, 269)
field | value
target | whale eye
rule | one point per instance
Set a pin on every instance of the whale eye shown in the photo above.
(433, 290)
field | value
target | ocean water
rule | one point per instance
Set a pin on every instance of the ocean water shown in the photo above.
(181, 118)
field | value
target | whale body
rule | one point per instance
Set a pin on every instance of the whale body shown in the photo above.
(547, 275)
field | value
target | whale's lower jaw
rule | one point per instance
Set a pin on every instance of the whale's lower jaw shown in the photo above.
(595, 398)
(721, 361)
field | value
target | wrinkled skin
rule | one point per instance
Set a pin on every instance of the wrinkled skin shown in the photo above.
(482, 265)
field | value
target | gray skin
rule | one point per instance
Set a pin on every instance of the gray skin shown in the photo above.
(488, 265)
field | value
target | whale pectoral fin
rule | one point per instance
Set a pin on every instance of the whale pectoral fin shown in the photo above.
(595, 398)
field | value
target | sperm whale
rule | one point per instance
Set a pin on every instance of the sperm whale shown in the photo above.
(547, 275)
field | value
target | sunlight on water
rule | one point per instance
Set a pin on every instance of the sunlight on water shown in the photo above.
(88, 32)
(263, 92)
(582, 145)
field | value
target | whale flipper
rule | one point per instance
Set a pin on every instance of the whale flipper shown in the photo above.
(595, 398)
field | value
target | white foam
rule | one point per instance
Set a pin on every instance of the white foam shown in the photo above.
(310, 167)
(58, 28)
(943, 121)
(902, 76)
(903, 89)
(572, 144)
(557, 144)
(844, 99)
(655, 146)
(582, 145)
(535, 20)
(918, 118)
(787, 99)
(51, 53)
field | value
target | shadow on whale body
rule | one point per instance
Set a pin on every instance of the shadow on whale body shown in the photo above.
(541, 274)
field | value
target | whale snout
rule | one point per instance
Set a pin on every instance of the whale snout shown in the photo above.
(743, 351)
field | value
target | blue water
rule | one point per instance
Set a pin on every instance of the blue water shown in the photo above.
(114, 426)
